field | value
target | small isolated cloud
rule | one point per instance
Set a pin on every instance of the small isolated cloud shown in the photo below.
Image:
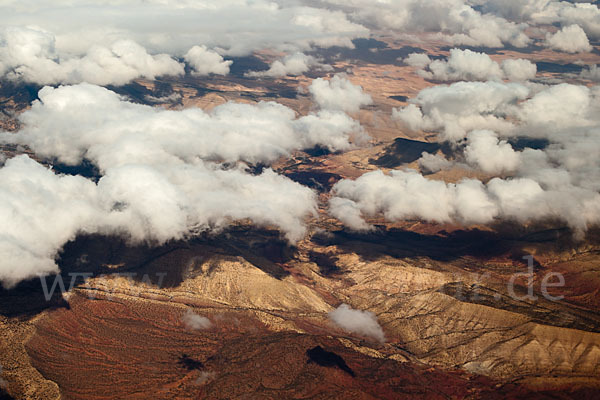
(205, 377)
(293, 64)
(471, 65)
(518, 69)
(432, 163)
(357, 321)
(195, 322)
(204, 61)
(570, 39)
(338, 93)
(418, 60)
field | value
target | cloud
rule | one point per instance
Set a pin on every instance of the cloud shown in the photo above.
(338, 93)
(558, 180)
(583, 14)
(357, 321)
(418, 60)
(456, 109)
(432, 163)
(293, 64)
(470, 65)
(570, 39)
(162, 172)
(46, 43)
(591, 73)
(407, 195)
(454, 21)
(71, 123)
(30, 55)
(204, 61)
(518, 69)
(42, 210)
(489, 154)
(194, 321)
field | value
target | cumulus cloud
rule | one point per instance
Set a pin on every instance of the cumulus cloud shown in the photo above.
(558, 181)
(485, 151)
(518, 69)
(71, 123)
(293, 64)
(418, 60)
(432, 163)
(196, 322)
(43, 210)
(30, 54)
(488, 23)
(357, 321)
(570, 39)
(162, 175)
(592, 73)
(46, 43)
(338, 93)
(584, 14)
(456, 109)
(204, 61)
(40, 212)
(471, 65)
(456, 21)
(407, 195)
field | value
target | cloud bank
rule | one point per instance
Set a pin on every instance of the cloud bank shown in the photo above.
(472, 66)
(31, 55)
(163, 175)
(558, 180)
(113, 42)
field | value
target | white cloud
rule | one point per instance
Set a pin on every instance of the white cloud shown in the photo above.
(570, 39)
(45, 43)
(407, 195)
(559, 182)
(418, 60)
(338, 93)
(293, 64)
(471, 65)
(43, 210)
(592, 73)
(161, 172)
(489, 154)
(518, 69)
(30, 55)
(432, 163)
(456, 109)
(454, 20)
(204, 61)
(357, 321)
(40, 211)
(194, 321)
(85, 121)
